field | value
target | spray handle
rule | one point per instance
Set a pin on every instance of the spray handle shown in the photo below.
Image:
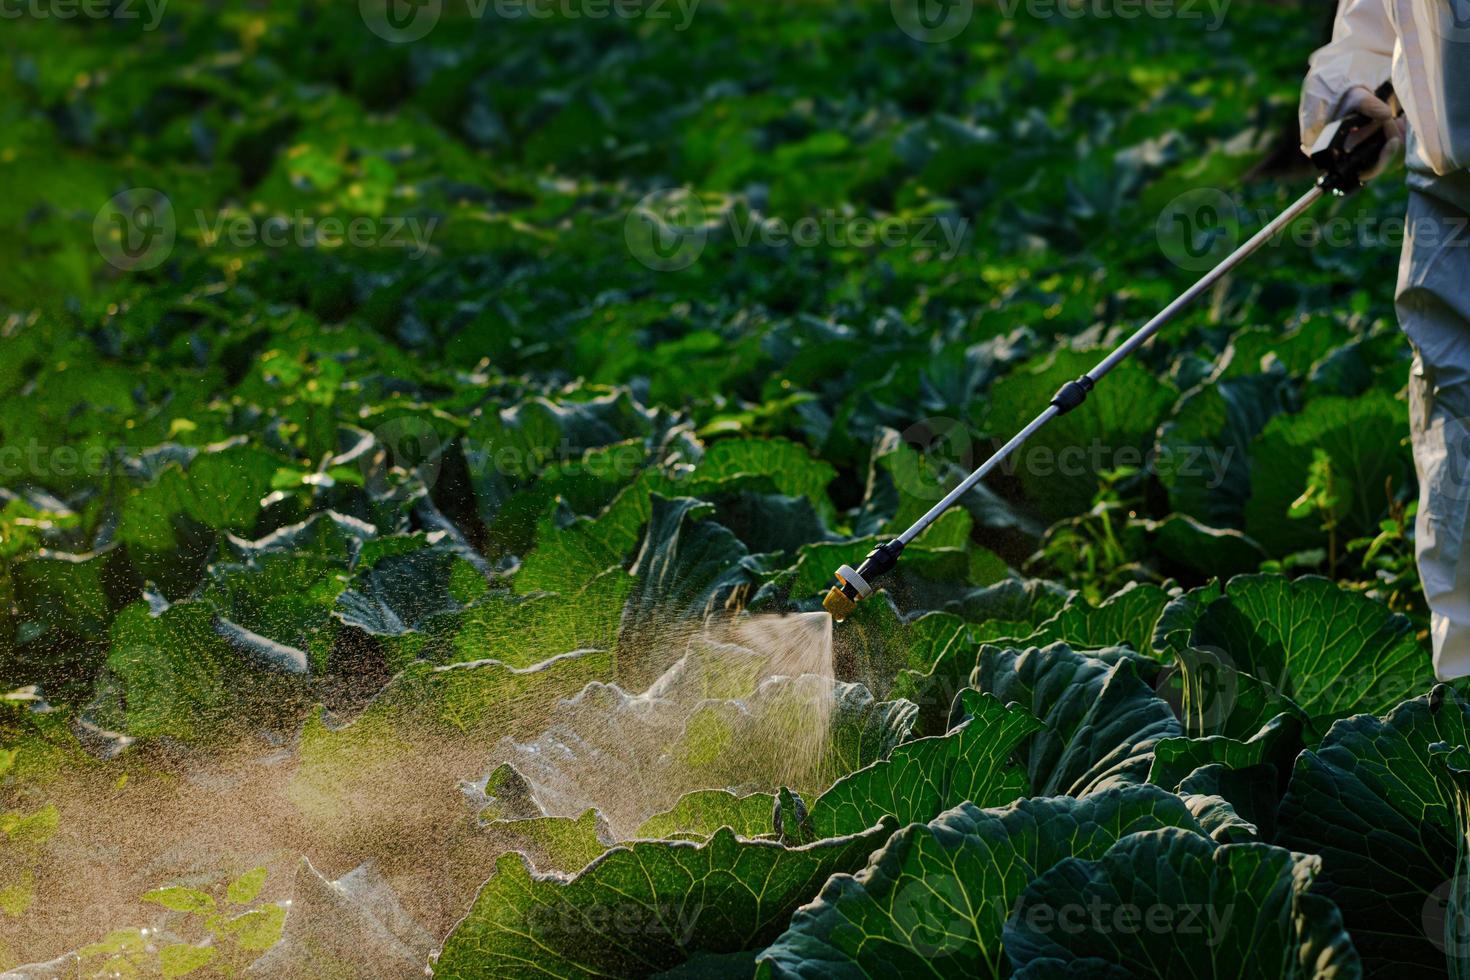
(1343, 167)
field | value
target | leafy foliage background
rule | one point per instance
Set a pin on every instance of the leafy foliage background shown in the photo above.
(370, 505)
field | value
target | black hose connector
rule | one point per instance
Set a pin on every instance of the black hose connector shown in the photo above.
(1343, 169)
(881, 560)
(1072, 394)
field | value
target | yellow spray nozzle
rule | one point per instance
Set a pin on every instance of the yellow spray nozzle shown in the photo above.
(838, 605)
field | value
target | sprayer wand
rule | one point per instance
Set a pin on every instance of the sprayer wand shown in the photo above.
(1342, 161)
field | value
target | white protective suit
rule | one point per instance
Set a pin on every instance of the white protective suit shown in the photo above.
(1424, 46)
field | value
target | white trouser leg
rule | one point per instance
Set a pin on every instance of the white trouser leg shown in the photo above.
(1434, 311)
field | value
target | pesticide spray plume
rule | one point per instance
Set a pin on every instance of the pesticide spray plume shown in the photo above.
(746, 706)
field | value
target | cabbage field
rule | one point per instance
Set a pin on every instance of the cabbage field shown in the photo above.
(427, 431)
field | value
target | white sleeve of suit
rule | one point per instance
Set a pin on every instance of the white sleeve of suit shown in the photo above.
(1431, 72)
(1424, 45)
(1360, 53)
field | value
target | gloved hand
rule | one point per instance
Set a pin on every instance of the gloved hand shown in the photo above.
(1360, 99)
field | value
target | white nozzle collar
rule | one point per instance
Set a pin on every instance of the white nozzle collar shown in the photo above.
(849, 575)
